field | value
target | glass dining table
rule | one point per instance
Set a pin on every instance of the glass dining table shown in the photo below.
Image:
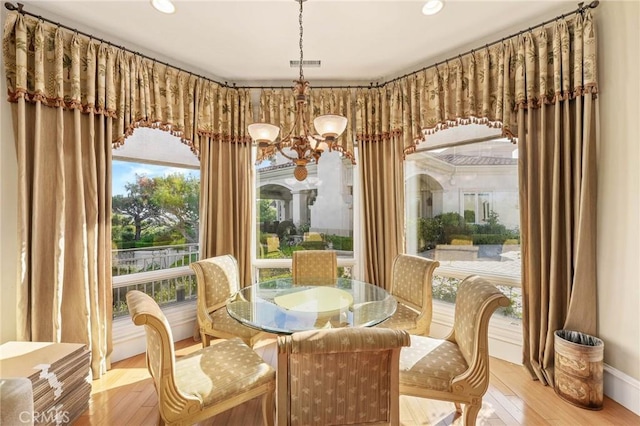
(281, 307)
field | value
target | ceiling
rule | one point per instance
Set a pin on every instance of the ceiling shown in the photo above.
(253, 41)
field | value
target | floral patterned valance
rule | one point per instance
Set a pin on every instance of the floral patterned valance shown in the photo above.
(59, 68)
(487, 86)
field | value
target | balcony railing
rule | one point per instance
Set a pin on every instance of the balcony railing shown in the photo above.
(161, 272)
(144, 259)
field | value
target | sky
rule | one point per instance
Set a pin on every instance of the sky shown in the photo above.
(125, 172)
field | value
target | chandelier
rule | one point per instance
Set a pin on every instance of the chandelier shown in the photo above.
(303, 145)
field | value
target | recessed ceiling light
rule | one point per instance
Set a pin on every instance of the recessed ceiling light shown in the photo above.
(164, 6)
(432, 7)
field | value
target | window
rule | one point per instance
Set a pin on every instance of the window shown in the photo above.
(155, 218)
(462, 210)
(315, 214)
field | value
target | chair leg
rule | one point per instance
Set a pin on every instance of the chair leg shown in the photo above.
(470, 413)
(205, 338)
(268, 410)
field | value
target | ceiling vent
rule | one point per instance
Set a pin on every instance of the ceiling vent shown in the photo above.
(305, 64)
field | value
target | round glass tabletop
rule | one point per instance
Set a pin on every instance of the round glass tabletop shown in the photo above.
(279, 306)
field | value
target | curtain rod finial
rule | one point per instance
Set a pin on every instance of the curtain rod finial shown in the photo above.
(10, 6)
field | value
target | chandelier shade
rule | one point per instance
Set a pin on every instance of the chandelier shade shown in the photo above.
(303, 145)
(330, 126)
(263, 133)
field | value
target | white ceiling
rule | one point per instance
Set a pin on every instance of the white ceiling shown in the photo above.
(252, 41)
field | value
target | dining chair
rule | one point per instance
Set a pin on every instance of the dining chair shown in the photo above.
(411, 281)
(340, 376)
(455, 368)
(218, 282)
(314, 267)
(203, 383)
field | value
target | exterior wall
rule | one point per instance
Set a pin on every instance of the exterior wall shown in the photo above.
(330, 212)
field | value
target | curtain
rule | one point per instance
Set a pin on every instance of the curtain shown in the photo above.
(74, 99)
(64, 292)
(226, 178)
(380, 154)
(557, 166)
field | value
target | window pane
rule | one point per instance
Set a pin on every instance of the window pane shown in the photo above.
(155, 217)
(472, 223)
(315, 214)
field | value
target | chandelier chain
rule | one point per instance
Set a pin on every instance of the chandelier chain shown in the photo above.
(301, 53)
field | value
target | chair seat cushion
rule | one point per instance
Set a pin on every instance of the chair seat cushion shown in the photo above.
(404, 318)
(222, 370)
(223, 322)
(431, 363)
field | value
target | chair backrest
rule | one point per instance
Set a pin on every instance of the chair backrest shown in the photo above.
(160, 351)
(339, 376)
(218, 280)
(314, 267)
(411, 281)
(476, 301)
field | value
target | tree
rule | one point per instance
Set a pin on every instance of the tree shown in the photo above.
(266, 212)
(178, 197)
(139, 204)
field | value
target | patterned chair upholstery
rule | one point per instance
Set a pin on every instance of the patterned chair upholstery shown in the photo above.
(411, 282)
(455, 368)
(314, 267)
(204, 383)
(218, 281)
(340, 376)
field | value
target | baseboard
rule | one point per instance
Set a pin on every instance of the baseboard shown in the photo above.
(623, 389)
(129, 340)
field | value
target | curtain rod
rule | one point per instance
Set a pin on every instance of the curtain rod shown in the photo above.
(580, 9)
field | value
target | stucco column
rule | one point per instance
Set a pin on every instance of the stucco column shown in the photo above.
(300, 210)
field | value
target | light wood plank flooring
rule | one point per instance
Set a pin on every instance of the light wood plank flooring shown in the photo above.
(126, 396)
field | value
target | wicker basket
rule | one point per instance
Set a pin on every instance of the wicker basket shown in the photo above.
(579, 368)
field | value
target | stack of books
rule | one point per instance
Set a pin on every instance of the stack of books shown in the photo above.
(60, 374)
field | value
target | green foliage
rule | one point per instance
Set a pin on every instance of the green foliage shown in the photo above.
(157, 211)
(138, 205)
(285, 229)
(339, 242)
(313, 245)
(446, 227)
(304, 227)
(266, 211)
(469, 216)
(178, 197)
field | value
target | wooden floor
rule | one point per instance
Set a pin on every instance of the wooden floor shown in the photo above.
(126, 396)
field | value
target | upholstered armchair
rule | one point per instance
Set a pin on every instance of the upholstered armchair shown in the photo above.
(206, 382)
(340, 376)
(455, 368)
(218, 281)
(314, 267)
(411, 280)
